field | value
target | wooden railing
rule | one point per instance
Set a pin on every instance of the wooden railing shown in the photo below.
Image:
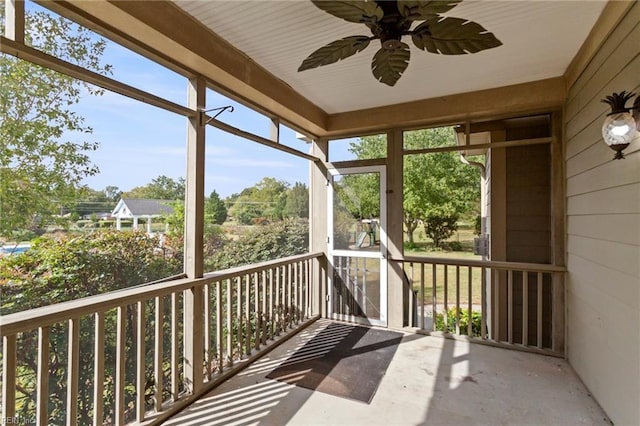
(125, 350)
(512, 304)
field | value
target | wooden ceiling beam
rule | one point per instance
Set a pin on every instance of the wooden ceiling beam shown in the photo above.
(520, 99)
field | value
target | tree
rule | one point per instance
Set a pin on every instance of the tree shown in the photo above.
(432, 183)
(92, 201)
(438, 187)
(215, 209)
(160, 188)
(297, 201)
(263, 201)
(39, 169)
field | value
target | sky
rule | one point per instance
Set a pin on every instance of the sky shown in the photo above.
(139, 142)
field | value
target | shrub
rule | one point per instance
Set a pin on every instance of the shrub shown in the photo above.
(280, 239)
(476, 322)
(439, 226)
(70, 266)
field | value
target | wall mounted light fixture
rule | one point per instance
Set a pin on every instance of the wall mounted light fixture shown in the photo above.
(622, 124)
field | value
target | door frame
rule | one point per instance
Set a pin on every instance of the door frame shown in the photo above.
(381, 254)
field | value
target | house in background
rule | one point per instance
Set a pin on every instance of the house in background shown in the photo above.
(136, 208)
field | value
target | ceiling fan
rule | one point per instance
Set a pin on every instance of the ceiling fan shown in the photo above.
(389, 21)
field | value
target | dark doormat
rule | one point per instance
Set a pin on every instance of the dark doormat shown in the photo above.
(342, 360)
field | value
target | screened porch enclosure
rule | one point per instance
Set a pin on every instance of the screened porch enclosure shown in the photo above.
(510, 330)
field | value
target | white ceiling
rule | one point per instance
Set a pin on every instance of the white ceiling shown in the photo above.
(540, 38)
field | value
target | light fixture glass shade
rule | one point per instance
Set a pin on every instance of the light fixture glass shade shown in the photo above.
(619, 129)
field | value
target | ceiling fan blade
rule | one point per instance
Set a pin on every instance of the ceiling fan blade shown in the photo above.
(453, 36)
(417, 10)
(335, 51)
(389, 64)
(352, 11)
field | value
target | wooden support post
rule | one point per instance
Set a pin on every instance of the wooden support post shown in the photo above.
(558, 308)
(275, 130)
(14, 20)
(318, 232)
(193, 253)
(498, 238)
(398, 296)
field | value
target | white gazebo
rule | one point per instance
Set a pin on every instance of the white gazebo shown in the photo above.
(136, 208)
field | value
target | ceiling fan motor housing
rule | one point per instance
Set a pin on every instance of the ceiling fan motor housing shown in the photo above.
(392, 26)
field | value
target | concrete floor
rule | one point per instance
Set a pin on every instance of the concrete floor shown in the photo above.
(430, 381)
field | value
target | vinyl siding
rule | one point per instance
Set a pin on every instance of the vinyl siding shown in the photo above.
(603, 231)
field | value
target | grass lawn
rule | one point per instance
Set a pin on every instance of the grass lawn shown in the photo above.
(463, 239)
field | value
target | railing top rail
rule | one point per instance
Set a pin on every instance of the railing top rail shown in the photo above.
(257, 267)
(52, 314)
(492, 264)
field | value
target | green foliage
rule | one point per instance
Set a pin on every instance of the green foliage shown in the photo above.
(265, 200)
(476, 322)
(160, 188)
(477, 225)
(280, 239)
(432, 182)
(70, 267)
(215, 210)
(92, 201)
(369, 147)
(440, 225)
(39, 170)
(297, 201)
(359, 194)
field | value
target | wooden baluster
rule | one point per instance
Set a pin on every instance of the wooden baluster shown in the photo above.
(140, 363)
(158, 354)
(510, 306)
(470, 301)
(73, 370)
(458, 300)
(483, 303)
(229, 314)
(422, 296)
(247, 301)
(98, 371)
(539, 310)
(42, 401)
(433, 295)
(175, 354)
(239, 316)
(496, 306)
(219, 327)
(289, 304)
(445, 313)
(9, 376)
(272, 315)
(278, 312)
(207, 329)
(120, 366)
(256, 311)
(525, 308)
(263, 313)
